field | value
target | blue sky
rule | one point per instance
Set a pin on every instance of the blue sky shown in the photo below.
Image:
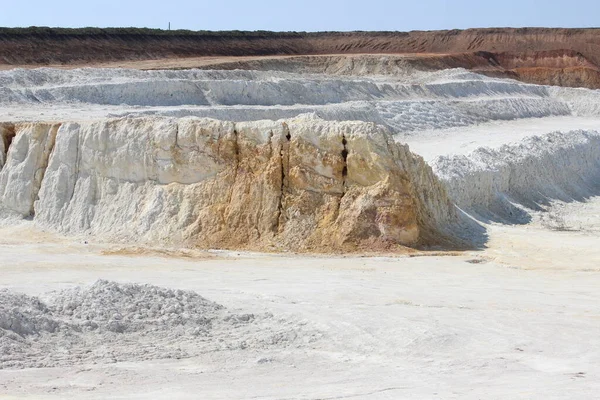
(306, 15)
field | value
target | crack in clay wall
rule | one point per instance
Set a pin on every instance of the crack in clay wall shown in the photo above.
(345, 168)
(284, 167)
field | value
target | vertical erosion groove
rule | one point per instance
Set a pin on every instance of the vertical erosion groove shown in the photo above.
(76, 169)
(176, 145)
(236, 149)
(236, 167)
(345, 164)
(285, 164)
(270, 144)
(344, 155)
(49, 149)
(7, 134)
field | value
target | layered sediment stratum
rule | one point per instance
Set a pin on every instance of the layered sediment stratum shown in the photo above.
(566, 57)
(300, 184)
(404, 100)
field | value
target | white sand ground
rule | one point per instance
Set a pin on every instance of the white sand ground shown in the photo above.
(517, 320)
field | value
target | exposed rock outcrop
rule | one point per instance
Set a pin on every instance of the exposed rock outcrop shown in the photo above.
(303, 184)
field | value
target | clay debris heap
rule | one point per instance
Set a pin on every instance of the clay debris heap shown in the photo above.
(302, 184)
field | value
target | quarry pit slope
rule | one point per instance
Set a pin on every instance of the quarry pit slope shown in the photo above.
(357, 215)
(564, 57)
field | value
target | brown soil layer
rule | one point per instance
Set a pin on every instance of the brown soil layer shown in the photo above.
(568, 57)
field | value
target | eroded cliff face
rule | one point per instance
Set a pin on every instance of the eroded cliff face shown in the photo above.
(23, 171)
(303, 184)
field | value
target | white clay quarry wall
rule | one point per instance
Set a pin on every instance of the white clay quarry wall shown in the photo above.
(209, 183)
(302, 184)
(557, 166)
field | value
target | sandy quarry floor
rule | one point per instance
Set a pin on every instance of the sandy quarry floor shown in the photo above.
(517, 320)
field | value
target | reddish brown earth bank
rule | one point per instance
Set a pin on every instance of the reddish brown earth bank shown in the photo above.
(568, 57)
